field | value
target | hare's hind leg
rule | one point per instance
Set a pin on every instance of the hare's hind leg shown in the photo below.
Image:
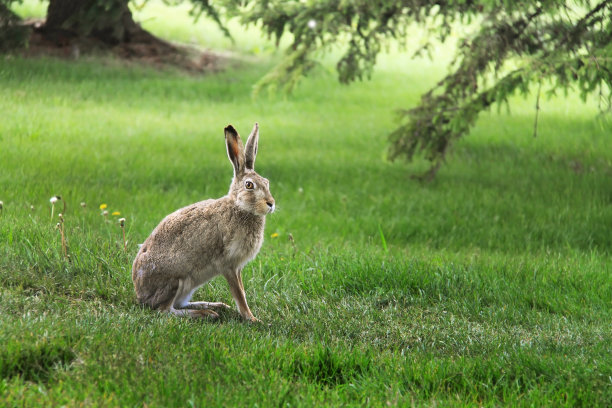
(185, 291)
(183, 288)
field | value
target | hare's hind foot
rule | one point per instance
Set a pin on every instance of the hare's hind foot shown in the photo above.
(205, 305)
(195, 313)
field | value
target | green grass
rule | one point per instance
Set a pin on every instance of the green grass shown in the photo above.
(489, 286)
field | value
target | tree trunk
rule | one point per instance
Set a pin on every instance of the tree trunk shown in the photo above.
(107, 20)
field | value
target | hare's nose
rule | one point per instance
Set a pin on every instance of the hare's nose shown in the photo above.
(270, 206)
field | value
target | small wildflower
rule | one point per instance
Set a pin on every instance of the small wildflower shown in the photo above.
(275, 235)
(31, 207)
(105, 213)
(116, 213)
(312, 24)
(54, 200)
(290, 237)
(60, 227)
(1, 205)
(122, 225)
(300, 190)
(103, 206)
(83, 204)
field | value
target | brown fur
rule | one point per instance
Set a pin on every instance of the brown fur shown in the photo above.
(209, 238)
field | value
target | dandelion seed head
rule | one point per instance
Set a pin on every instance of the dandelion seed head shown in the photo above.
(32, 207)
(1, 205)
(105, 213)
(54, 199)
(122, 221)
(83, 204)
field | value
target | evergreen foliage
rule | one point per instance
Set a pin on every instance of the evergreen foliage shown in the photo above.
(552, 44)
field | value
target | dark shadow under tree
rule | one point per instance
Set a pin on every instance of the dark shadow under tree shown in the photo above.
(73, 27)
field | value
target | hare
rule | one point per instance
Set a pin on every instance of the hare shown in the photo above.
(213, 237)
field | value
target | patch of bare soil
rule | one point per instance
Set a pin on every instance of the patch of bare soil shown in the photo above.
(142, 49)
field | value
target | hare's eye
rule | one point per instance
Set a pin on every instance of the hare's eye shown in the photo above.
(249, 185)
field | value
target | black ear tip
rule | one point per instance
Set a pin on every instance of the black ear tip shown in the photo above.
(230, 129)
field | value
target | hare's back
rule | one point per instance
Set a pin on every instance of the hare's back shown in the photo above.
(188, 228)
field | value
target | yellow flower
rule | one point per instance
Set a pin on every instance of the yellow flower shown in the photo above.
(116, 213)
(275, 235)
(103, 206)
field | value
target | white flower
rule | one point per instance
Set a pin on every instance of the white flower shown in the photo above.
(53, 199)
(312, 24)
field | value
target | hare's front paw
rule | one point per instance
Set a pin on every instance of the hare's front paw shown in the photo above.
(253, 319)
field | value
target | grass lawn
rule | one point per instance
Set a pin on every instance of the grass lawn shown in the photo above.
(492, 285)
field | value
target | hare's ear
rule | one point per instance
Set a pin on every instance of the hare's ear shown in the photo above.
(235, 149)
(251, 147)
